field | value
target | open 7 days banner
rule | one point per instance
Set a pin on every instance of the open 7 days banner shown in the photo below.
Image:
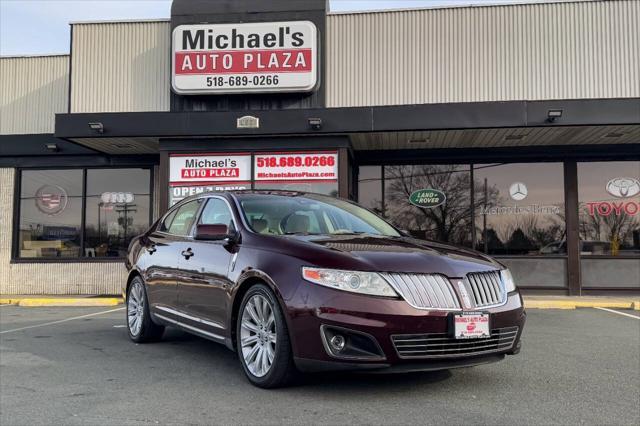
(242, 58)
(194, 174)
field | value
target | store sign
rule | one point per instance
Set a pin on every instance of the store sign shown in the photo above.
(243, 58)
(518, 191)
(296, 166)
(116, 197)
(607, 208)
(620, 187)
(623, 187)
(209, 168)
(427, 198)
(51, 199)
(179, 192)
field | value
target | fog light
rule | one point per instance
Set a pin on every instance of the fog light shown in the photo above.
(337, 342)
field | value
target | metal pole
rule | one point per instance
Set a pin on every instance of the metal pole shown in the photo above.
(484, 217)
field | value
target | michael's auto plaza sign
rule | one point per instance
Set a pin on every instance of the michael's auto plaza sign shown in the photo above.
(242, 58)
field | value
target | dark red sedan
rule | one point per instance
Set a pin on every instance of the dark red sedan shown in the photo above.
(305, 282)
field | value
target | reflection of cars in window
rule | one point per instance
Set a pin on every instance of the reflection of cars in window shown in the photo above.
(586, 247)
(294, 281)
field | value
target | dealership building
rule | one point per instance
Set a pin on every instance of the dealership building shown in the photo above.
(510, 129)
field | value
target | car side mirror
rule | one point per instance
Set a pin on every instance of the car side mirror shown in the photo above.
(216, 232)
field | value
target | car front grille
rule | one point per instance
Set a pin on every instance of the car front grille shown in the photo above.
(424, 291)
(487, 288)
(439, 345)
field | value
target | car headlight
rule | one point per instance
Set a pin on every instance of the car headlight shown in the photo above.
(356, 282)
(507, 279)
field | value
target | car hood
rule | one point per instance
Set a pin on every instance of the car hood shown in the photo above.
(398, 254)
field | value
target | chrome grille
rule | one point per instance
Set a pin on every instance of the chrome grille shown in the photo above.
(442, 345)
(424, 291)
(487, 288)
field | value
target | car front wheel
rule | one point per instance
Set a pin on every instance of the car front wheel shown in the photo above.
(263, 343)
(139, 324)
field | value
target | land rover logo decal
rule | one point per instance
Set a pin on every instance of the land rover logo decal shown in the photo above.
(623, 187)
(427, 198)
(51, 199)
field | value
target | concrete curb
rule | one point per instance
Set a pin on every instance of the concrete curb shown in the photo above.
(573, 304)
(61, 301)
(114, 301)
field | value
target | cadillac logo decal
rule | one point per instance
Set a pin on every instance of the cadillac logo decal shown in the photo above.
(623, 187)
(51, 199)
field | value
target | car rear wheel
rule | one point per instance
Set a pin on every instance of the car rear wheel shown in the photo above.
(139, 324)
(263, 343)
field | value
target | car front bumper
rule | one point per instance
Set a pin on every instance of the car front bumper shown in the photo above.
(382, 320)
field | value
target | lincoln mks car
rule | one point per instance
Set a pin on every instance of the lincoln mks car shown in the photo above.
(305, 282)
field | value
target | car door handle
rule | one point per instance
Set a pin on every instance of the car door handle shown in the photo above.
(152, 249)
(187, 253)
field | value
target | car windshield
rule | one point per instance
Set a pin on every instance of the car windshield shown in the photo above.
(309, 214)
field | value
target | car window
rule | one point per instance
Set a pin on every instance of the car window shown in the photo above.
(166, 223)
(184, 217)
(216, 212)
(309, 214)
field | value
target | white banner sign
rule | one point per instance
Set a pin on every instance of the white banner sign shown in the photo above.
(209, 168)
(177, 193)
(296, 166)
(242, 58)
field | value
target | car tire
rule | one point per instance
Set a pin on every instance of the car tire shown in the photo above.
(140, 326)
(251, 338)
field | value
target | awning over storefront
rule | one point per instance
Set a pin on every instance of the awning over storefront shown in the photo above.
(378, 128)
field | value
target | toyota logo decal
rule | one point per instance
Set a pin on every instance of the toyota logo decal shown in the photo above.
(623, 187)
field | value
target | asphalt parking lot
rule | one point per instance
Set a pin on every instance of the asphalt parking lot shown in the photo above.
(579, 366)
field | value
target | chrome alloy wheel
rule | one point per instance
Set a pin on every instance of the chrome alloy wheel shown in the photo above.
(135, 308)
(258, 335)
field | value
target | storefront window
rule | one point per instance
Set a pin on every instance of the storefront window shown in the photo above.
(430, 201)
(519, 208)
(609, 196)
(50, 213)
(117, 208)
(370, 188)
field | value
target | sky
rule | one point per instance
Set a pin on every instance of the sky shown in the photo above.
(34, 27)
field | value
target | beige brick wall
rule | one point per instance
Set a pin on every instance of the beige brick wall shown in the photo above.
(48, 278)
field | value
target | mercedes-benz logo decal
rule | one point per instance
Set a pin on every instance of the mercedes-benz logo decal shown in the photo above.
(623, 187)
(518, 191)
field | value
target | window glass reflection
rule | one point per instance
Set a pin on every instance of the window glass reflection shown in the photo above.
(448, 219)
(609, 196)
(50, 213)
(519, 208)
(326, 188)
(370, 188)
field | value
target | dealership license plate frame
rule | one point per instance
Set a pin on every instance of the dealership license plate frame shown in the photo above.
(459, 329)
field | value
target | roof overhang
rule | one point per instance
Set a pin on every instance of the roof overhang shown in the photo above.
(582, 121)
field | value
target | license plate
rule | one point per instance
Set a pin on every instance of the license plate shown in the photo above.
(471, 325)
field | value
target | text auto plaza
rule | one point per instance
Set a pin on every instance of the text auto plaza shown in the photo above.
(513, 130)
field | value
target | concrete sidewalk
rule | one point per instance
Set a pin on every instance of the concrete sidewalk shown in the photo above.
(530, 302)
(573, 302)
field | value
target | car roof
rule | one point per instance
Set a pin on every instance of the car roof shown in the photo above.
(230, 193)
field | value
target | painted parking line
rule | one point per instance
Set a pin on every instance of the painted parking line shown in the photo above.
(61, 321)
(619, 313)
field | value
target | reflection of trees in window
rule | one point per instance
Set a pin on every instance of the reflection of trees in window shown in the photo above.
(449, 222)
(621, 231)
(517, 232)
